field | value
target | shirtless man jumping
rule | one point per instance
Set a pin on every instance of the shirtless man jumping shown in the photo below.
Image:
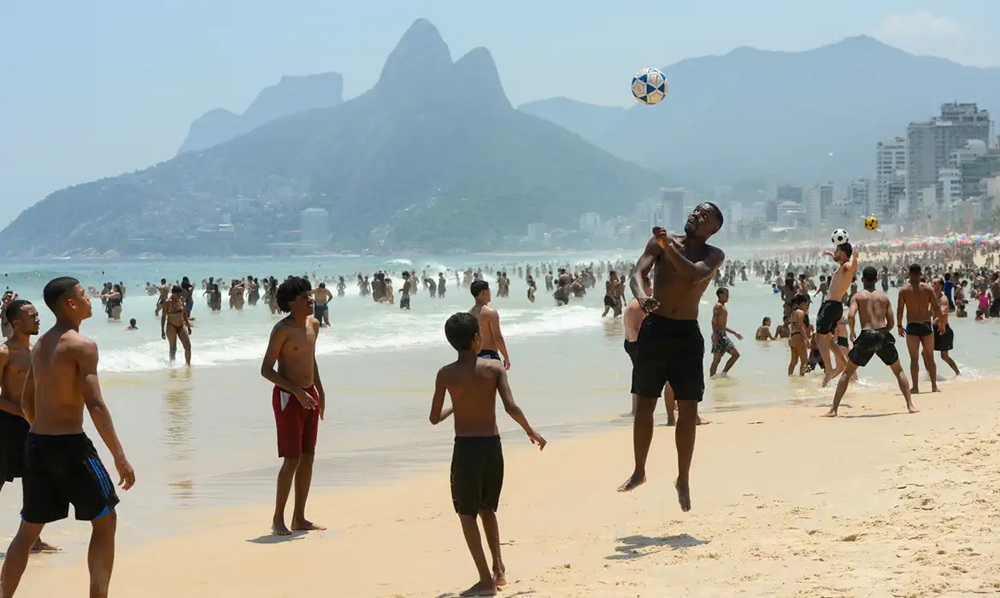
(298, 399)
(671, 348)
(875, 311)
(917, 297)
(62, 465)
(832, 309)
(15, 360)
(493, 345)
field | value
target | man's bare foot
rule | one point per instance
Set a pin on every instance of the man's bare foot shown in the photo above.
(671, 422)
(830, 413)
(702, 422)
(278, 528)
(305, 525)
(634, 481)
(914, 391)
(683, 496)
(500, 577)
(912, 409)
(934, 388)
(43, 546)
(483, 588)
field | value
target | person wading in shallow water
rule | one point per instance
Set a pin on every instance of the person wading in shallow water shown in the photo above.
(671, 348)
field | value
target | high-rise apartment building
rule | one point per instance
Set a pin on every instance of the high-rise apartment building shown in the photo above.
(890, 175)
(929, 145)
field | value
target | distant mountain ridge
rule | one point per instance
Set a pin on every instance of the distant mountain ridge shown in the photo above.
(446, 163)
(805, 116)
(290, 95)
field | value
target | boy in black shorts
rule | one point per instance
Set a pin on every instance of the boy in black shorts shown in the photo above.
(477, 460)
(62, 466)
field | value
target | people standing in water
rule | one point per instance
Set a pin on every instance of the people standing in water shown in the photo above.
(875, 311)
(321, 304)
(404, 293)
(493, 345)
(477, 466)
(62, 465)
(917, 300)
(721, 344)
(298, 399)
(944, 341)
(611, 299)
(671, 348)
(15, 361)
(174, 324)
(831, 311)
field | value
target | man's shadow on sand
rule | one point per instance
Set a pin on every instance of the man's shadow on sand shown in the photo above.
(274, 539)
(632, 547)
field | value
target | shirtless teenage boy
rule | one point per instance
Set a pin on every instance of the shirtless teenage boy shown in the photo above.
(493, 345)
(671, 347)
(720, 335)
(944, 342)
(832, 309)
(62, 465)
(174, 324)
(15, 360)
(921, 306)
(477, 466)
(298, 399)
(875, 311)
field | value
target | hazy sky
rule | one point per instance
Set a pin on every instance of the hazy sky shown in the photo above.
(94, 89)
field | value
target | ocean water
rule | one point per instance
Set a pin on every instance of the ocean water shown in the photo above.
(204, 436)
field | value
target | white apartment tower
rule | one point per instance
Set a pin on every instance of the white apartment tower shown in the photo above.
(890, 176)
(929, 145)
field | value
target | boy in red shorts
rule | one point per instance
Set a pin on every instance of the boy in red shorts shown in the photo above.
(477, 460)
(298, 399)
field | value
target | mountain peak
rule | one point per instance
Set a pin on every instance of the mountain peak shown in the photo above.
(478, 74)
(421, 52)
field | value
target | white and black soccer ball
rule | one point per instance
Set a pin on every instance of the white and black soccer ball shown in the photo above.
(649, 86)
(839, 237)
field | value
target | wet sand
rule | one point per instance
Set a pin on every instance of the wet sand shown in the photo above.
(786, 503)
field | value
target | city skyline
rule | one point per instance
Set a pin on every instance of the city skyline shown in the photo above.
(99, 110)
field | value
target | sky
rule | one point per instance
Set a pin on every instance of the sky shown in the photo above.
(96, 89)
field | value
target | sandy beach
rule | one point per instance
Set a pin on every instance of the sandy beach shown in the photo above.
(786, 503)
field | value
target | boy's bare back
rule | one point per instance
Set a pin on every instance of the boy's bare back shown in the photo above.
(473, 389)
(62, 361)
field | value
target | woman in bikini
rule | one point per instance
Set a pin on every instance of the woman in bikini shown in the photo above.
(174, 324)
(798, 325)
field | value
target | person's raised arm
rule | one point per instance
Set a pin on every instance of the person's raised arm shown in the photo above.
(696, 271)
(86, 364)
(640, 274)
(515, 413)
(438, 411)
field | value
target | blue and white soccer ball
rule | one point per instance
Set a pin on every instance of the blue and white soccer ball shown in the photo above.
(649, 86)
(839, 237)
